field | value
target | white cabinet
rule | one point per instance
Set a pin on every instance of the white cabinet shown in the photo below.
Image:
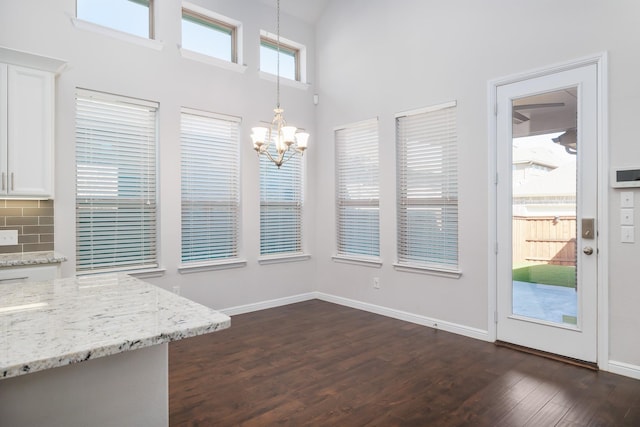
(26, 132)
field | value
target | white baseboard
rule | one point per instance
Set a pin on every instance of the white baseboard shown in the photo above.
(626, 369)
(263, 305)
(408, 317)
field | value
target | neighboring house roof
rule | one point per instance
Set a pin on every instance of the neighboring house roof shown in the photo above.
(535, 154)
(558, 182)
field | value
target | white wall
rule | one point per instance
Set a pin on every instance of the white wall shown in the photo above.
(380, 57)
(104, 63)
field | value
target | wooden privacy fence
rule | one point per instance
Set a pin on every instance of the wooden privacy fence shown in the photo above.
(544, 240)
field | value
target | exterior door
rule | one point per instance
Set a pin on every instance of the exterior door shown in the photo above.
(546, 213)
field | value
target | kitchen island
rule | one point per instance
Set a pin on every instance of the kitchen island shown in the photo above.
(91, 350)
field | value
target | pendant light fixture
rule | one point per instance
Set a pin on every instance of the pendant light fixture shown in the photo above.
(287, 140)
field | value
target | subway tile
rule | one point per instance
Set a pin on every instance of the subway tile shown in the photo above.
(22, 220)
(3, 203)
(3, 221)
(15, 227)
(45, 220)
(10, 249)
(23, 203)
(10, 211)
(37, 229)
(46, 203)
(37, 212)
(35, 247)
(46, 238)
(28, 238)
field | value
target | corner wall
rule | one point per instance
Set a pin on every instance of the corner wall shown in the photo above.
(376, 58)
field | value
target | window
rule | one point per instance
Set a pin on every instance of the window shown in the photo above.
(290, 57)
(281, 206)
(115, 183)
(206, 33)
(130, 16)
(210, 186)
(357, 192)
(428, 188)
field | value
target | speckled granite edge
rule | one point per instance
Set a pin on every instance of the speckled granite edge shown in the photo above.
(60, 322)
(31, 258)
(95, 353)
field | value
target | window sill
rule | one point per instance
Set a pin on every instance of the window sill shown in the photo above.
(434, 271)
(120, 35)
(366, 262)
(142, 273)
(277, 259)
(197, 267)
(210, 60)
(284, 81)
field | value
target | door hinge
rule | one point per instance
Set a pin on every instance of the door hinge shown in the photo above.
(495, 180)
(495, 109)
(495, 317)
(495, 248)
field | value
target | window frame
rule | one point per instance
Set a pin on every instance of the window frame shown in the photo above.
(360, 140)
(127, 103)
(447, 267)
(285, 48)
(151, 20)
(214, 21)
(268, 171)
(217, 120)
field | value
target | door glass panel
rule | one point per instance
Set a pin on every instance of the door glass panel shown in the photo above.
(544, 226)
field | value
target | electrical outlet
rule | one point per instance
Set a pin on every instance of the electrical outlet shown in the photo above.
(627, 234)
(376, 283)
(8, 237)
(626, 199)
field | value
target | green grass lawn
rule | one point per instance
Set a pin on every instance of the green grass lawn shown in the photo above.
(558, 275)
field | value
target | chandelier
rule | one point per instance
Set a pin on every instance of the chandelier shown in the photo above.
(287, 140)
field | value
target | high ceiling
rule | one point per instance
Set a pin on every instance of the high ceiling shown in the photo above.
(307, 10)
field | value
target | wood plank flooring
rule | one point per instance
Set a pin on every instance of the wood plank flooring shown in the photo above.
(321, 364)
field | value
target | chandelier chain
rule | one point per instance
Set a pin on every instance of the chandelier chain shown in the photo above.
(278, 56)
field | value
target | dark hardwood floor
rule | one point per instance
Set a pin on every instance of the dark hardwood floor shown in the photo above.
(320, 364)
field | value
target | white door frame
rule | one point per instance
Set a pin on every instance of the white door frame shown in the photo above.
(600, 60)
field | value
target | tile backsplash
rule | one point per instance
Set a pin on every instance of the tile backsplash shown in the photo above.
(34, 221)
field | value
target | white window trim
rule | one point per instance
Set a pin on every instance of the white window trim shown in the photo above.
(433, 271)
(210, 60)
(373, 262)
(278, 259)
(230, 65)
(211, 266)
(117, 34)
(302, 60)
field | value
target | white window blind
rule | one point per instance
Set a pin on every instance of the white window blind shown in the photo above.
(115, 182)
(428, 188)
(281, 202)
(210, 186)
(357, 190)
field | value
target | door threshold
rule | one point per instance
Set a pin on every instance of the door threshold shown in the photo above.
(570, 360)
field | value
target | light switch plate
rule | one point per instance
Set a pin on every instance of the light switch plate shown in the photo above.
(626, 199)
(627, 234)
(8, 237)
(626, 216)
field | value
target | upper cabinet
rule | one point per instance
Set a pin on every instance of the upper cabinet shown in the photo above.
(27, 103)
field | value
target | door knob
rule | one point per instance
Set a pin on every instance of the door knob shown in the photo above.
(587, 250)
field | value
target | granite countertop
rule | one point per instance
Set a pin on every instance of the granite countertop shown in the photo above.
(63, 321)
(31, 258)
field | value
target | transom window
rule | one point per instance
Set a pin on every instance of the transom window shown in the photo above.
(130, 16)
(202, 33)
(289, 58)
